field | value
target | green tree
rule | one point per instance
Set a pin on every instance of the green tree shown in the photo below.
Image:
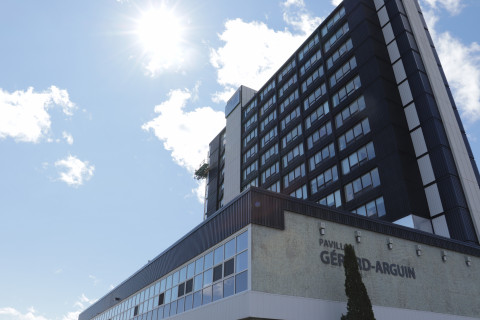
(359, 306)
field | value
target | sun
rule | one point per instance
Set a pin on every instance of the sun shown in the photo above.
(160, 32)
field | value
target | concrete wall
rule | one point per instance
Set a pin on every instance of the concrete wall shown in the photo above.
(232, 154)
(289, 263)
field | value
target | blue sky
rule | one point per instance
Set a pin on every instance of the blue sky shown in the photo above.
(102, 125)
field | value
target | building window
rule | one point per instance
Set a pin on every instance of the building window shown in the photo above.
(343, 71)
(275, 168)
(250, 122)
(312, 78)
(375, 208)
(319, 134)
(269, 153)
(358, 131)
(310, 62)
(347, 112)
(322, 155)
(315, 96)
(331, 22)
(249, 137)
(293, 175)
(269, 136)
(289, 67)
(291, 116)
(252, 105)
(368, 181)
(346, 91)
(332, 200)
(250, 169)
(297, 151)
(307, 47)
(357, 158)
(250, 153)
(272, 116)
(267, 105)
(275, 187)
(316, 115)
(334, 38)
(300, 193)
(291, 98)
(287, 85)
(340, 52)
(323, 179)
(292, 135)
(267, 89)
(253, 183)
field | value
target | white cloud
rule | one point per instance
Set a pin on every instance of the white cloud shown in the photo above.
(185, 134)
(296, 15)
(461, 63)
(452, 6)
(9, 313)
(82, 303)
(68, 137)
(24, 115)
(336, 2)
(252, 51)
(75, 172)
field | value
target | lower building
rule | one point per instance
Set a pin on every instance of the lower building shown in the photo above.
(269, 256)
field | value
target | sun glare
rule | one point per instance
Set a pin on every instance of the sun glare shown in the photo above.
(160, 32)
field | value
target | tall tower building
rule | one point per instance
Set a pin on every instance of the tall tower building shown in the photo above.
(361, 118)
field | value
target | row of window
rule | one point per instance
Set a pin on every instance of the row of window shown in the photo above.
(343, 71)
(275, 168)
(318, 73)
(359, 185)
(331, 22)
(290, 117)
(287, 85)
(267, 105)
(323, 179)
(271, 117)
(217, 274)
(358, 157)
(310, 62)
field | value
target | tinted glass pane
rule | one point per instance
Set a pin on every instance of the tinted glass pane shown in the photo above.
(217, 291)
(228, 287)
(242, 241)
(380, 207)
(189, 286)
(198, 282)
(162, 285)
(183, 274)
(181, 289)
(168, 296)
(188, 302)
(160, 313)
(175, 278)
(375, 178)
(217, 273)
(209, 260)
(219, 255)
(155, 314)
(242, 261)
(230, 248)
(197, 299)
(199, 266)
(207, 277)
(371, 208)
(207, 295)
(361, 211)
(241, 282)
(149, 315)
(191, 270)
(180, 305)
(166, 311)
(229, 267)
(174, 293)
(157, 288)
(173, 308)
(169, 282)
